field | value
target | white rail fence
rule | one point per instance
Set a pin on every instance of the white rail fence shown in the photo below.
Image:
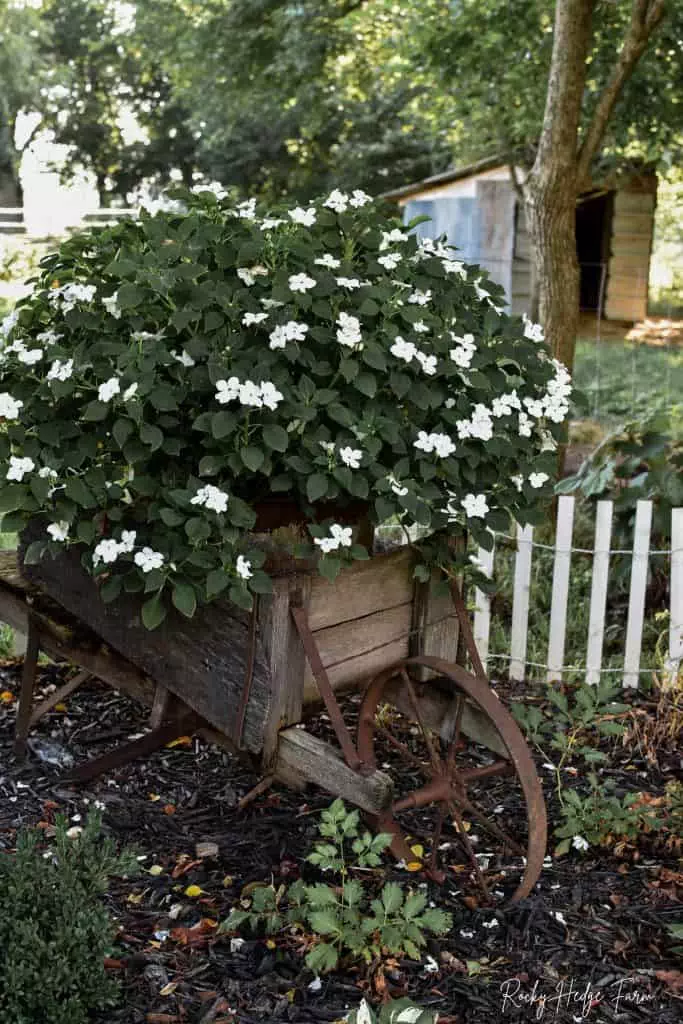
(14, 222)
(601, 554)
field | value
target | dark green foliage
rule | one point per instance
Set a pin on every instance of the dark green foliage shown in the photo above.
(54, 929)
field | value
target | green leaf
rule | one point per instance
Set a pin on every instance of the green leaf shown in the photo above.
(275, 437)
(320, 895)
(392, 897)
(216, 582)
(111, 589)
(322, 958)
(222, 423)
(170, 517)
(209, 465)
(151, 435)
(122, 430)
(129, 296)
(96, 411)
(153, 612)
(184, 599)
(197, 530)
(324, 922)
(34, 552)
(240, 596)
(79, 492)
(252, 457)
(366, 384)
(316, 487)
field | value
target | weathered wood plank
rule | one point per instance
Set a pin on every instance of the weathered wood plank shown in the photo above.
(638, 586)
(435, 622)
(482, 608)
(676, 591)
(365, 587)
(520, 602)
(598, 605)
(560, 592)
(303, 758)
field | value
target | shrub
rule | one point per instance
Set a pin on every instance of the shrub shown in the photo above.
(344, 916)
(167, 376)
(54, 930)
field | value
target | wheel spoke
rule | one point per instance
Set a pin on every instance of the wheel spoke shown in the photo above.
(462, 835)
(412, 696)
(503, 767)
(455, 738)
(403, 749)
(491, 826)
(436, 838)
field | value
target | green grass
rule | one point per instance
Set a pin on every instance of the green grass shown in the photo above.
(620, 380)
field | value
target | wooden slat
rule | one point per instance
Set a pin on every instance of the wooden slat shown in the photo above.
(560, 592)
(351, 653)
(596, 619)
(365, 587)
(520, 602)
(636, 603)
(434, 626)
(676, 588)
(638, 202)
(482, 608)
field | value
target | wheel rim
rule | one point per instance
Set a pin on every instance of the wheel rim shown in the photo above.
(447, 779)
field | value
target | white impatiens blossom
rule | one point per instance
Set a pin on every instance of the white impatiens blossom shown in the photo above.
(227, 390)
(248, 393)
(441, 444)
(518, 481)
(9, 407)
(270, 223)
(525, 427)
(364, 1014)
(480, 424)
(249, 319)
(19, 467)
(351, 457)
(70, 294)
(359, 198)
(184, 358)
(420, 327)
(243, 567)
(29, 356)
(349, 282)
(389, 237)
(291, 331)
(59, 531)
(420, 297)
(464, 351)
(475, 506)
(556, 401)
(337, 201)
(61, 370)
(271, 303)
(503, 405)
(538, 479)
(428, 363)
(403, 349)
(106, 551)
(340, 536)
(534, 407)
(9, 323)
(127, 543)
(249, 274)
(212, 498)
(305, 217)
(390, 260)
(247, 209)
(106, 391)
(111, 304)
(148, 559)
(349, 333)
(301, 283)
(399, 490)
(147, 336)
(129, 392)
(532, 331)
(454, 267)
(329, 261)
(270, 395)
(49, 337)
(481, 292)
(579, 843)
(45, 473)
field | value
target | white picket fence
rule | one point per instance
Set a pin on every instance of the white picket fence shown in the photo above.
(640, 553)
(13, 221)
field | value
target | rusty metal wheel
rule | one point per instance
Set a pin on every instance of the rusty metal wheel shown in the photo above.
(462, 752)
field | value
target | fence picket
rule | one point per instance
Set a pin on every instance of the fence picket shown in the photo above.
(596, 619)
(676, 589)
(560, 593)
(482, 613)
(520, 602)
(636, 601)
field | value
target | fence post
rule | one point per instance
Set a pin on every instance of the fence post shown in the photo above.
(676, 588)
(596, 621)
(560, 594)
(482, 613)
(520, 602)
(636, 601)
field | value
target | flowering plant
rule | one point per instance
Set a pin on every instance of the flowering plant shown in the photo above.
(168, 375)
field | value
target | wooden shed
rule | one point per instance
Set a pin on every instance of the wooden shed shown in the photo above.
(478, 209)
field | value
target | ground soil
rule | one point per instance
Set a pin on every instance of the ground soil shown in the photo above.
(591, 938)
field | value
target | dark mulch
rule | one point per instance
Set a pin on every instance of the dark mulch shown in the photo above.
(591, 939)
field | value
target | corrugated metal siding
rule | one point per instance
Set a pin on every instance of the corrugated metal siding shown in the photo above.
(629, 266)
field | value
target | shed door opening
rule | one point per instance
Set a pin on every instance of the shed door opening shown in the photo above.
(593, 219)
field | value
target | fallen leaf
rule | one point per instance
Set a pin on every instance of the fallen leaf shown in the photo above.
(228, 881)
(193, 891)
(60, 707)
(7, 697)
(418, 850)
(156, 870)
(471, 902)
(270, 944)
(135, 897)
(414, 865)
(161, 1018)
(204, 850)
(169, 808)
(198, 935)
(154, 797)
(181, 741)
(169, 989)
(672, 979)
(110, 964)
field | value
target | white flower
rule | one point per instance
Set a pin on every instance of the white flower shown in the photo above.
(73, 832)
(329, 261)
(18, 468)
(420, 327)
(70, 294)
(249, 274)
(428, 363)
(480, 424)
(253, 318)
(130, 392)
(268, 223)
(481, 292)
(243, 567)
(49, 337)
(431, 966)
(301, 283)
(247, 209)
(389, 237)
(348, 282)
(214, 186)
(538, 479)
(58, 531)
(9, 323)
(127, 541)
(351, 457)
(396, 487)
(532, 331)
(227, 390)
(326, 544)
(60, 370)
(270, 303)
(147, 335)
(390, 261)
(454, 267)
(250, 394)
(465, 348)
(30, 356)
(419, 297)
(424, 442)
(106, 551)
(45, 473)
(184, 358)
(270, 395)
(475, 506)
(111, 304)
(442, 444)
(291, 331)
(578, 842)
(301, 216)
(349, 333)
(337, 201)
(327, 446)
(449, 403)
(559, 916)
(342, 534)
(147, 559)
(534, 407)
(359, 198)
(9, 407)
(525, 425)
(403, 349)
(106, 391)
(212, 498)
(518, 481)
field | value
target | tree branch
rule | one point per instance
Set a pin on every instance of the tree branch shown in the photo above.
(645, 17)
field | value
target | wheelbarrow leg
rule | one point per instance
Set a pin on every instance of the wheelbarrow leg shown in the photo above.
(28, 682)
(127, 752)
